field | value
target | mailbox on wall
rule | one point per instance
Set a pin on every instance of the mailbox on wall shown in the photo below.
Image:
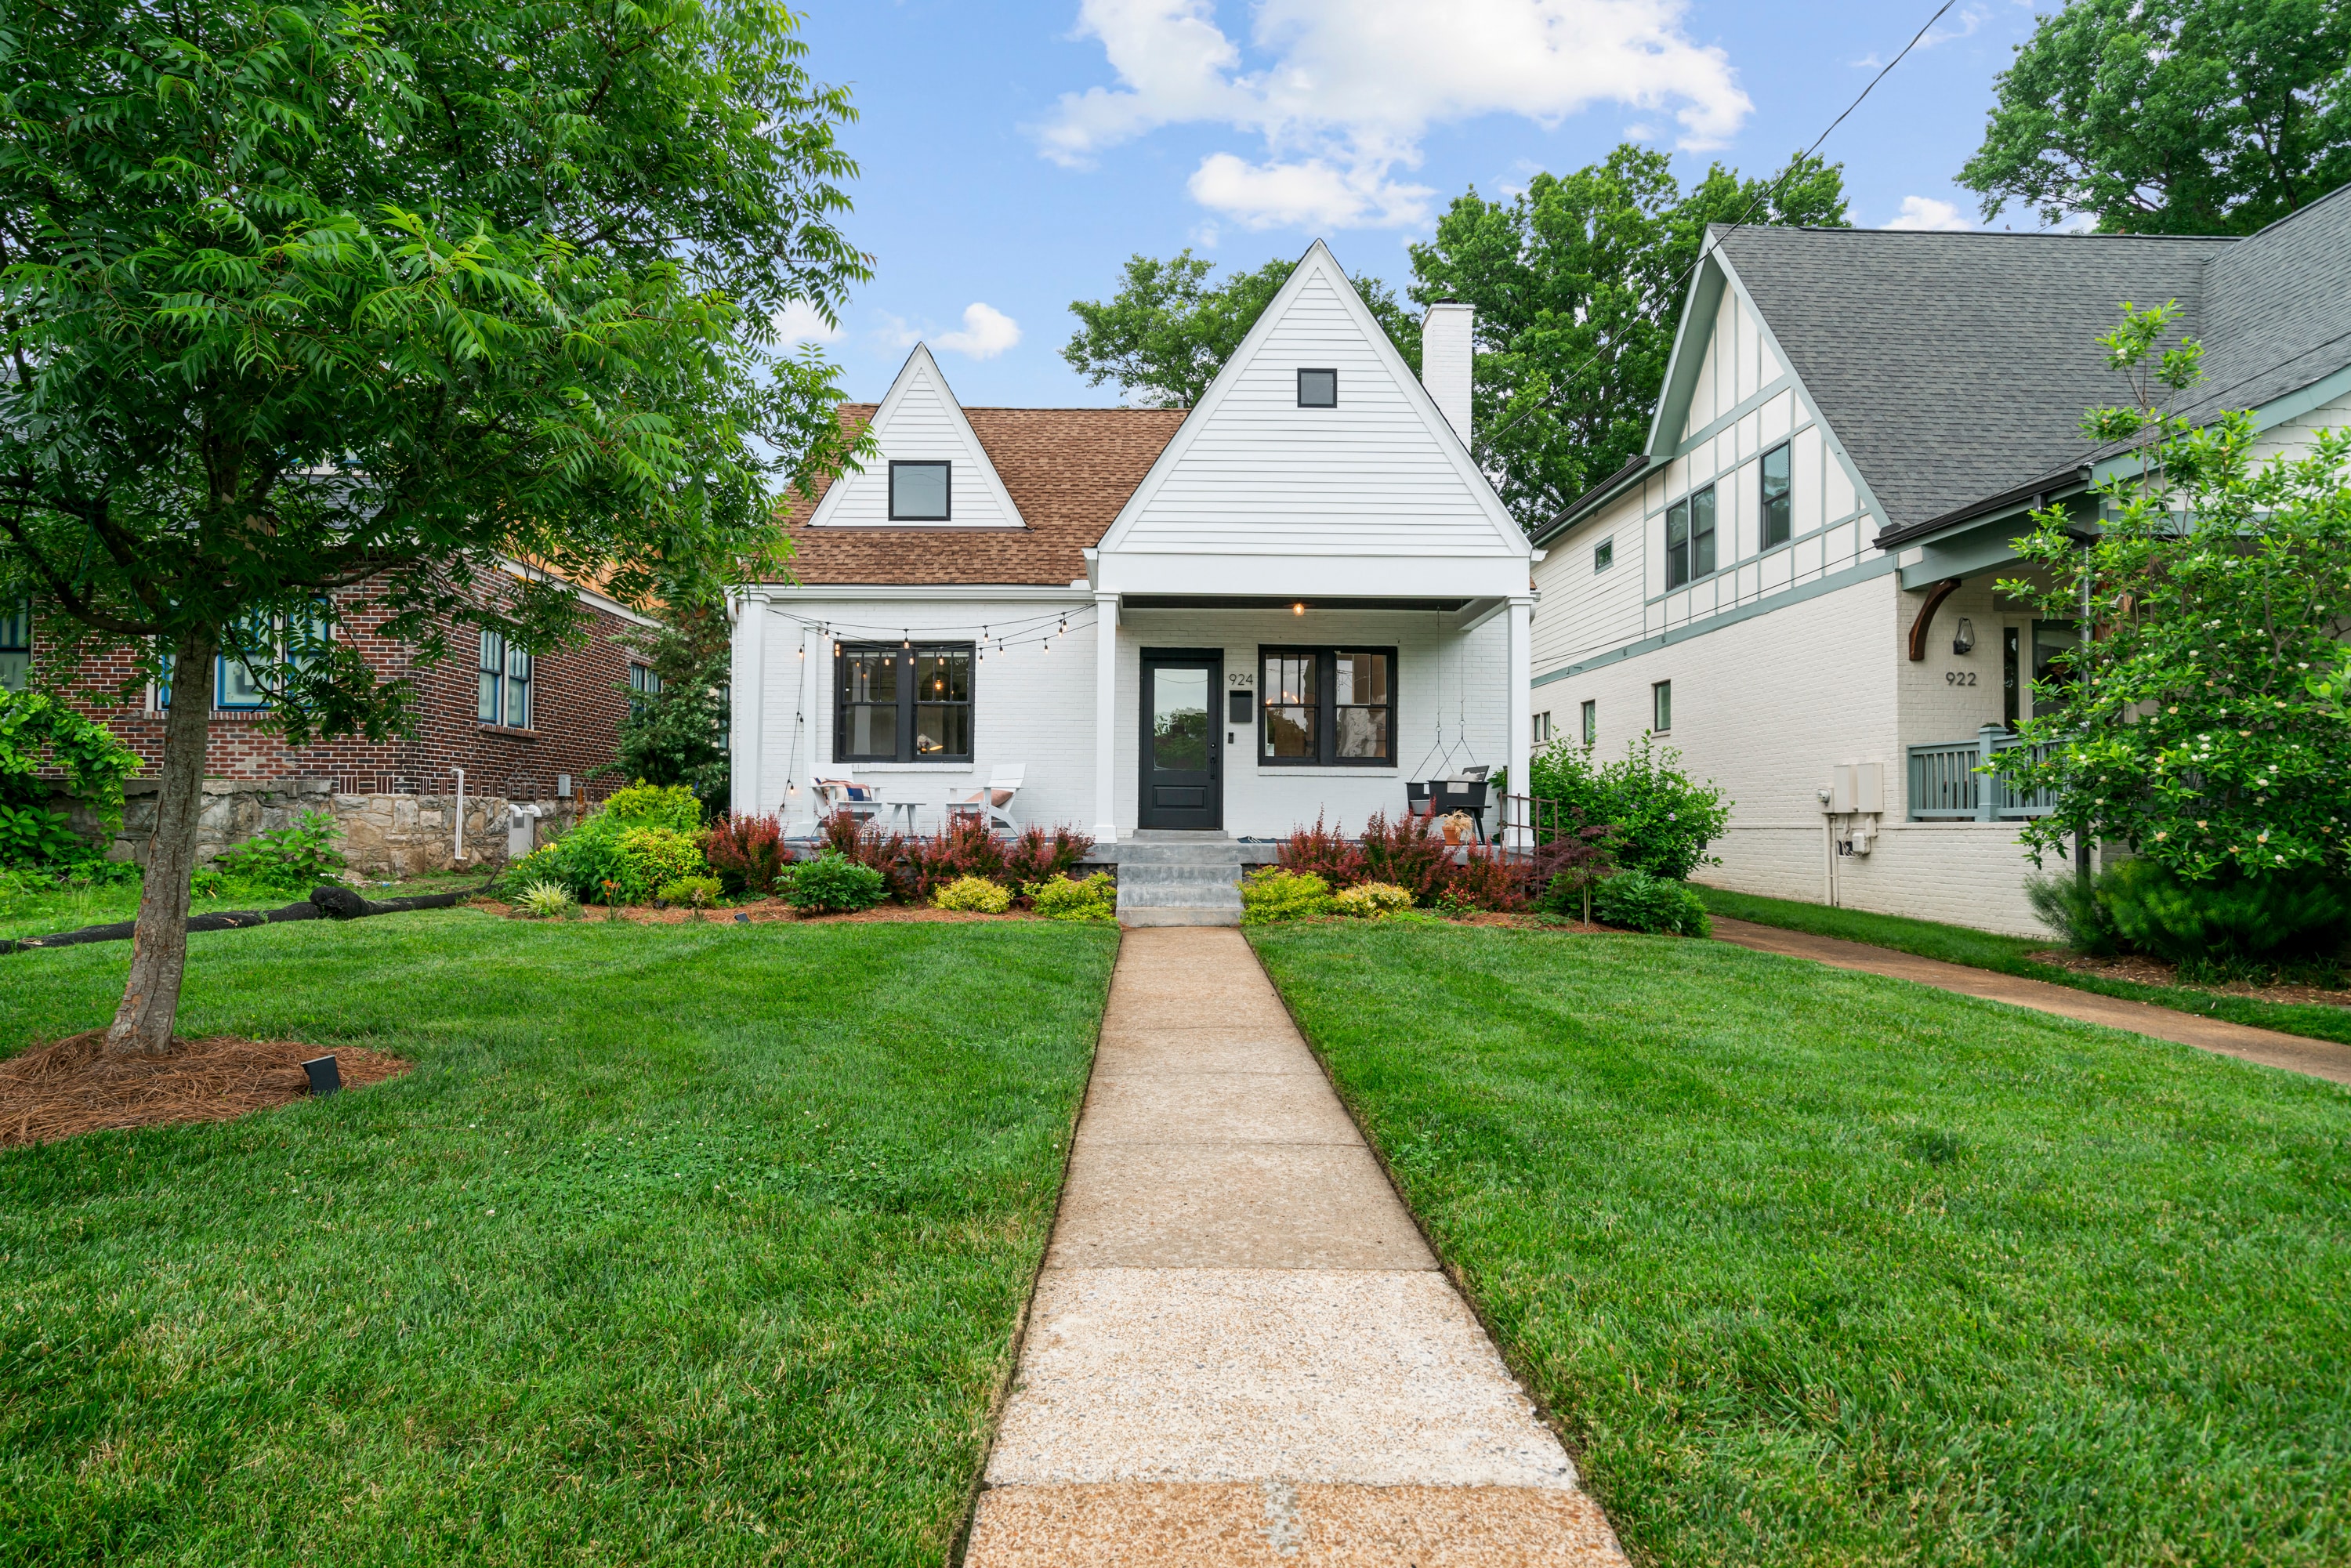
(1237, 707)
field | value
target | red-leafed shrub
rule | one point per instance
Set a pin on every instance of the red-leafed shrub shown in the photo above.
(747, 853)
(864, 843)
(1322, 852)
(926, 864)
(1034, 858)
(1485, 880)
(1408, 855)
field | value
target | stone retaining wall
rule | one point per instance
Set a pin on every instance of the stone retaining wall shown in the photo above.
(384, 835)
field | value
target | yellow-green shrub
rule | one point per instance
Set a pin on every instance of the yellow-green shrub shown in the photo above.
(1071, 898)
(1371, 900)
(655, 856)
(1270, 894)
(974, 893)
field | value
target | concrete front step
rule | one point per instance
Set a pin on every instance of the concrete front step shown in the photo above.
(1148, 915)
(1187, 880)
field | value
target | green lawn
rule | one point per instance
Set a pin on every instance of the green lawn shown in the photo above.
(684, 1244)
(1816, 1267)
(1989, 950)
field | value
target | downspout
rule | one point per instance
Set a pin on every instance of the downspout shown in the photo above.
(461, 814)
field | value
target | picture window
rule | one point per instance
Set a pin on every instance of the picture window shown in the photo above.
(919, 492)
(1318, 389)
(1333, 707)
(903, 703)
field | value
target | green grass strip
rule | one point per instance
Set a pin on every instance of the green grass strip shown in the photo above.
(1818, 1267)
(2007, 956)
(684, 1244)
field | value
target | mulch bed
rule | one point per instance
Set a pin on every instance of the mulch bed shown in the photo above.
(74, 1086)
(765, 911)
(2141, 971)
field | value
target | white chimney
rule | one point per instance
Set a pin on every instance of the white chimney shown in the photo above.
(1445, 355)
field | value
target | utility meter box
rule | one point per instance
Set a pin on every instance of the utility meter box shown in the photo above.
(1857, 786)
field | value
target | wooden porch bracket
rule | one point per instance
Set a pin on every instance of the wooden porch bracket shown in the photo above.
(1921, 626)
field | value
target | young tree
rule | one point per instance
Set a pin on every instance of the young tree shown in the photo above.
(2185, 117)
(380, 296)
(1168, 331)
(2190, 727)
(1578, 284)
(677, 735)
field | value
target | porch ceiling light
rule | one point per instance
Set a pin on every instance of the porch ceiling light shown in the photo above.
(1963, 641)
(1298, 609)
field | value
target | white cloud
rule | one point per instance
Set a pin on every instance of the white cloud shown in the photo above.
(800, 322)
(1346, 89)
(987, 332)
(1926, 213)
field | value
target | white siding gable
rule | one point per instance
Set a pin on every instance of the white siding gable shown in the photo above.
(920, 419)
(1251, 473)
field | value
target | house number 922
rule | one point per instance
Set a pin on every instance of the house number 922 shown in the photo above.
(1959, 677)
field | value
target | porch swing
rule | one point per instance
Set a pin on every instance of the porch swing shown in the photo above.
(1463, 789)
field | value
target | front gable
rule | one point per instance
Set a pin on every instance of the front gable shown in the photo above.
(919, 421)
(1253, 473)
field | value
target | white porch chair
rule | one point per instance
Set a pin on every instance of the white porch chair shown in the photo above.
(863, 801)
(993, 805)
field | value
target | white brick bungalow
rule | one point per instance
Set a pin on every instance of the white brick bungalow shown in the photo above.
(1304, 583)
(1792, 584)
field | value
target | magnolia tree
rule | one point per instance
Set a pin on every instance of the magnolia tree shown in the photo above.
(431, 304)
(2203, 722)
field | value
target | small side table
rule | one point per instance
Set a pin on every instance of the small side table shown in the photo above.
(905, 809)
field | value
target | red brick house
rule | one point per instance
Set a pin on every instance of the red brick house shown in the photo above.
(524, 732)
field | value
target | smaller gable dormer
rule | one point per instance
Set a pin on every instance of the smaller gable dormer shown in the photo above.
(928, 469)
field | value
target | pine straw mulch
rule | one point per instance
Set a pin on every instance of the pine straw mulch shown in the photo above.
(2145, 971)
(762, 911)
(73, 1086)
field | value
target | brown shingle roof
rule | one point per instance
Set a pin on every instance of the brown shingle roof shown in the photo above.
(1068, 469)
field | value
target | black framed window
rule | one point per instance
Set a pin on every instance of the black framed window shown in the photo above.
(1689, 538)
(920, 492)
(1777, 507)
(1331, 707)
(903, 703)
(15, 645)
(1590, 721)
(1604, 554)
(1318, 389)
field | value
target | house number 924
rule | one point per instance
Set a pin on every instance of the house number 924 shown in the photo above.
(1959, 677)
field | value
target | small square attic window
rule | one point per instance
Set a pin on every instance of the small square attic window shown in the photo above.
(1318, 389)
(918, 492)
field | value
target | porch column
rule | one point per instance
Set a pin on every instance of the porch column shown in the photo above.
(803, 766)
(748, 697)
(1520, 679)
(1106, 719)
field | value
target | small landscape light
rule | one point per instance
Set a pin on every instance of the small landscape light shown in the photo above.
(742, 917)
(325, 1076)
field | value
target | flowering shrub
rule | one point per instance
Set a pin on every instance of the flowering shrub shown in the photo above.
(1272, 893)
(1664, 822)
(973, 893)
(1070, 898)
(1372, 900)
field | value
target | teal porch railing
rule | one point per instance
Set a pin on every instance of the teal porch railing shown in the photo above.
(1947, 782)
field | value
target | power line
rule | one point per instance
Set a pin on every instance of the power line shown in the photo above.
(1711, 243)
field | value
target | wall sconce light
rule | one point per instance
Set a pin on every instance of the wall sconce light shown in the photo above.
(1963, 641)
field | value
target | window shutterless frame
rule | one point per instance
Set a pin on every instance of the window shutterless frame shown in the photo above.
(1318, 389)
(1689, 538)
(1604, 555)
(1777, 506)
(1661, 706)
(15, 645)
(896, 704)
(921, 492)
(1326, 707)
(1590, 721)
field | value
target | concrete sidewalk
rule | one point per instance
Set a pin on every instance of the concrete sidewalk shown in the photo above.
(2293, 1052)
(1240, 1349)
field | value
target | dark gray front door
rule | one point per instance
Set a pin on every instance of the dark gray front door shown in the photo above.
(1183, 748)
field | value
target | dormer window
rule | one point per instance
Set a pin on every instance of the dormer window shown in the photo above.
(918, 492)
(1318, 389)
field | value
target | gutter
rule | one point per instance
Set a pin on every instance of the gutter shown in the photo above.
(1635, 466)
(2036, 491)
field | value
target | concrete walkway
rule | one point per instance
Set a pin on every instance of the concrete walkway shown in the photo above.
(1240, 1349)
(2293, 1052)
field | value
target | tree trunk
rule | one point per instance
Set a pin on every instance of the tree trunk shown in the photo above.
(159, 945)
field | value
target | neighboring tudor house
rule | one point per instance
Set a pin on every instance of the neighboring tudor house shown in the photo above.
(523, 731)
(1277, 606)
(1794, 585)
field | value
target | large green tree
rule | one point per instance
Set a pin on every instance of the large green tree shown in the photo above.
(1578, 284)
(2172, 115)
(1168, 331)
(385, 295)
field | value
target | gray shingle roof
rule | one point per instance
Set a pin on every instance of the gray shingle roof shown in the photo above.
(2277, 309)
(1955, 366)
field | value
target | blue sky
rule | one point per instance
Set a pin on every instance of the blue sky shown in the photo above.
(1014, 154)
